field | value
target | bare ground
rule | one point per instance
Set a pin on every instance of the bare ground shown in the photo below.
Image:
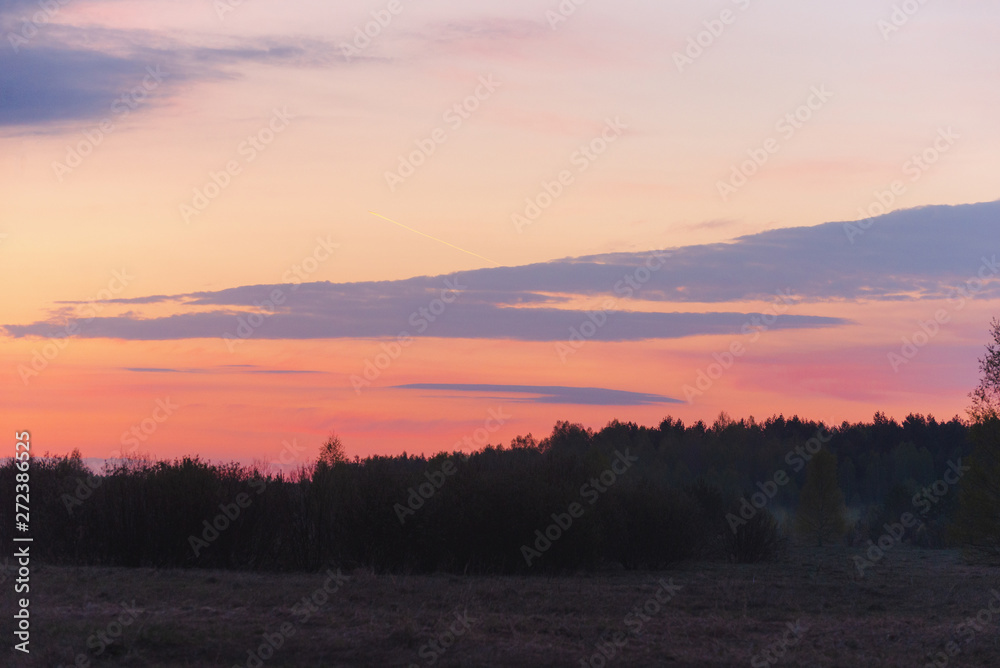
(905, 610)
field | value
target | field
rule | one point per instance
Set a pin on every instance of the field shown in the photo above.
(812, 609)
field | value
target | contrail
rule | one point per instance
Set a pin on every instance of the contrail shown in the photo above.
(435, 238)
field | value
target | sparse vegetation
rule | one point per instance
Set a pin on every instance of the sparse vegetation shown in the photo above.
(725, 615)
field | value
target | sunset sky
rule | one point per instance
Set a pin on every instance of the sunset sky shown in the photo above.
(231, 228)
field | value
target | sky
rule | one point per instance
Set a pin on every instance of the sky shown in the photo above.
(233, 228)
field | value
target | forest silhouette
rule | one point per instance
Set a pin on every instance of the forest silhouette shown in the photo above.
(626, 496)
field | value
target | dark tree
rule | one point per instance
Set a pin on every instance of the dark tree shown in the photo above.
(821, 514)
(977, 525)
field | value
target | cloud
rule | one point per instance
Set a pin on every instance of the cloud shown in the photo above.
(226, 368)
(66, 73)
(330, 318)
(907, 255)
(716, 224)
(26, 7)
(552, 394)
(485, 29)
(159, 370)
(918, 253)
(40, 86)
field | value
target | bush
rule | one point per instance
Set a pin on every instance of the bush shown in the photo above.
(759, 539)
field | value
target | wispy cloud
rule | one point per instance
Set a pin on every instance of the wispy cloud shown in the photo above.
(551, 394)
(227, 368)
(333, 319)
(67, 73)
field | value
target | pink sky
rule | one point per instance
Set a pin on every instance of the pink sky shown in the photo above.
(300, 134)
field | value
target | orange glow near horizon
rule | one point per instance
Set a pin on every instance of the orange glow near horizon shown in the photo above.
(248, 404)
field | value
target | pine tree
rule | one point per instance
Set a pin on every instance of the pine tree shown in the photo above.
(821, 513)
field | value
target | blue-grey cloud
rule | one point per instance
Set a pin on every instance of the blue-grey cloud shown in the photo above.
(162, 370)
(59, 76)
(282, 372)
(394, 318)
(909, 254)
(39, 86)
(552, 394)
(916, 254)
(23, 8)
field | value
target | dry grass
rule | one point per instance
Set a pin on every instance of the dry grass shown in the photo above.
(907, 607)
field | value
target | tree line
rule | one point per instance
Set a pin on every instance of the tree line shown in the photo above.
(625, 496)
